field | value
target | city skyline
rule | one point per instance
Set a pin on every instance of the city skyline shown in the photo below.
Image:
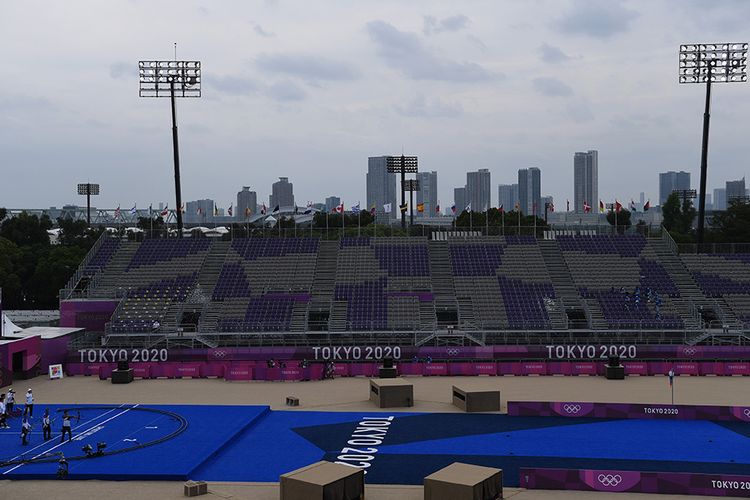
(431, 77)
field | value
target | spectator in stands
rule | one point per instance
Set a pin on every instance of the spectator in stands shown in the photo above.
(46, 425)
(10, 400)
(304, 363)
(3, 415)
(155, 327)
(25, 430)
(329, 371)
(29, 406)
(66, 428)
(271, 363)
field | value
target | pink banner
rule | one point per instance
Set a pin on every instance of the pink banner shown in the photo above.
(185, 370)
(435, 369)
(485, 369)
(141, 370)
(363, 370)
(584, 368)
(559, 368)
(712, 368)
(410, 368)
(461, 369)
(533, 368)
(736, 368)
(686, 368)
(239, 372)
(636, 368)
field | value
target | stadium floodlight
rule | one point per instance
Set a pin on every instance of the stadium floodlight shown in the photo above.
(710, 63)
(686, 194)
(402, 165)
(88, 190)
(171, 79)
(410, 185)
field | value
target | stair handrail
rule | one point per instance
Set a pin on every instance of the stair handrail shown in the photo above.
(65, 293)
(669, 241)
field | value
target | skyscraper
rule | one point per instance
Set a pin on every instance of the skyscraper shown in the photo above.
(530, 190)
(246, 199)
(200, 210)
(672, 181)
(459, 199)
(381, 186)
(281, 194)
(720, 199)
(478, 190)
(332, 202)
(427, 193)
(735, 190)
(585, 179)
(507, 196)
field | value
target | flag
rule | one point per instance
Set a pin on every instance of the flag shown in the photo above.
(308, 209)
(437, 208)
(229, 210)
(453, 208)
(533, 208)
(502, 208)
(551, 207)
(248, 212)
(216, 209)
(403, 208)
(647, 206)
(199, 211)
(586, 208)
(632, 205)
(133, 210)
(275, 210)
(165, 212)
(601, 206)
(618, 206)
(568, 208)
(518, 206)
(263, 209)
(372, 210)
(468, 208)
(117, 212)
(182, 208)
(420, 207)
(339, 209)
(355, 208)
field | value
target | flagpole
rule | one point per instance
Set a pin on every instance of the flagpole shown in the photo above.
(487, 221)
(359, 221)
(502, 221)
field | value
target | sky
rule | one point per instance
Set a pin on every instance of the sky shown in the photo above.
(308, 90)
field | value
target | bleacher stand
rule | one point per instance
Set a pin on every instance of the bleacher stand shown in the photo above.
(725, 277)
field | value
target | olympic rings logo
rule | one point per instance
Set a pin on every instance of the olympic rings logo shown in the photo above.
(690, 351)
(453, 352)
(609, 479)
(746, 411)
(571, 408)
(219, 354)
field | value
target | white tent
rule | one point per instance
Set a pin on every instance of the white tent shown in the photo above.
(9, 327)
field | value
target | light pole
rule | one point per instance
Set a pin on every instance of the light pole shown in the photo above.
(88, 190)
(410, 185)
(171, 79)
(710, 63)
(402, 165)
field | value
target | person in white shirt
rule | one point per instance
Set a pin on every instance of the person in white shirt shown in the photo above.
(25, 431)
(3, 416)
(47, 425)
(66, 428)
(29, 407)
(10, 400)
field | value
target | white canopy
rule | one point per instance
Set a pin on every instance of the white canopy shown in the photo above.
(9, 327)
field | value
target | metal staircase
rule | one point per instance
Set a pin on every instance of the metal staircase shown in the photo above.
(443, 288)
(562, 282)
(324, 282)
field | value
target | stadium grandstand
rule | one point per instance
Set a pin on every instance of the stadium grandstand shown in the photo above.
(422, 290)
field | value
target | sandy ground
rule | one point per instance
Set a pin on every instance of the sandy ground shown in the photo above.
(431, 394)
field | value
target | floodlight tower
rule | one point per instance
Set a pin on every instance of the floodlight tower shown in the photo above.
(402, 165)
(411, 185)
(88, 190)
(171, 79)
(711, 63)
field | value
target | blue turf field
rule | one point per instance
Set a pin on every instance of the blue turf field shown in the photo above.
(249, 443)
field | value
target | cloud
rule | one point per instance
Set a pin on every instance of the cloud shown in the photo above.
(122, 70)
(307, 67)
(259, 30)
(552, 55)
(286, 91)
(232, 85)
(452, 23)
(551, 87)
(596, 18)
(405, 52)
(429, 108)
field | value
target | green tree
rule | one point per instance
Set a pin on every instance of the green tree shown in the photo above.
(10, 272)
(687, 216)
(53, 269)
(3, 214)
(149, 223)
(78, 233)
(25, 229)
(733, 224)
(622, 219)
(670, 212)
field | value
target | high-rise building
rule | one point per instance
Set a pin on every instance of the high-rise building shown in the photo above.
(459, 199)
(709, 202)
(332, 202)
(199, 211)
(642, 200)
(381, 185)
(585, 180)
(427, 193)
(507, 196)
(478, 190)
(530, 190)
(735, 190)
(720, 199)
(672, 181)
(544, 203)
(246, 199)
(282, 194)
